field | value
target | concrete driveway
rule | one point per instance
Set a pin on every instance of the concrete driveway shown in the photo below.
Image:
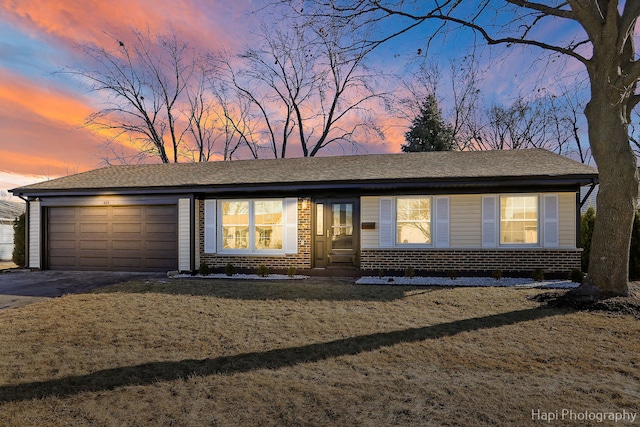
(21, 287)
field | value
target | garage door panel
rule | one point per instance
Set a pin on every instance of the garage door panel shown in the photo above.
(127, 245)
(127, 227)
(127, 212)
(126, 238)
(61, 244)
(161, 228)
(124, 263)
(88, 245)
(68, 262)
(160, 245)
(67, 213)
(93, 212)
(59, 227)
(93, 228)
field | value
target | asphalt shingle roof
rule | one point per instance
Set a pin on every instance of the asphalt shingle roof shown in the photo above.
(376, 167)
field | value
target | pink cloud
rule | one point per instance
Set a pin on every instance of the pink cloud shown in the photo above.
(216, 22)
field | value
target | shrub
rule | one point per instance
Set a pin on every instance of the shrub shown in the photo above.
(381, 273)
(453, 275)
(537, 275)
(409, 272)
(204, 269)
(587, 223)
(496, 274)
(18, 257)
(263, 270)
(229, 269)
(576, 275)
(291, 271)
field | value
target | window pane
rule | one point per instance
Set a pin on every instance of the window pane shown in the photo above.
(268, 224)
(414, 220)
(235, 225)
(319, 219)
(519, 220)
(342, 226)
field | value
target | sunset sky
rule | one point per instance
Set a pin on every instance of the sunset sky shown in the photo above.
(41, 111)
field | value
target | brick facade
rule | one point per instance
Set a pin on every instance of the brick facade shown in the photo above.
(461, 260)
(301, 260)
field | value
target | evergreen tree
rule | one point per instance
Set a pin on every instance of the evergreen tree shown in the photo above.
(18, 256)
(428, 131)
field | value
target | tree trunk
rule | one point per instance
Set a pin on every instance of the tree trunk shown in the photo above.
(617, 195)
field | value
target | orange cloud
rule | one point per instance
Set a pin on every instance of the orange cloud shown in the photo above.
(51, 104)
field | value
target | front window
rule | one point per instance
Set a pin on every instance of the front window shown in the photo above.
(235, 225)
(252, 225)
(413, 220)
(519, 220)
(268, 224)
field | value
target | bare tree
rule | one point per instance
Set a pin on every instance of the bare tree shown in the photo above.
(301, 88)
(153, 87)
(602, 41)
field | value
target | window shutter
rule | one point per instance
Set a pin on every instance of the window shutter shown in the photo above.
(291, 225)
(210, 214)
(551, 235)
(442, 222)
(489, 222)
(386, 222)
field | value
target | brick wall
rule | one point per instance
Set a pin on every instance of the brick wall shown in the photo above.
(301, 260)
(552, 261)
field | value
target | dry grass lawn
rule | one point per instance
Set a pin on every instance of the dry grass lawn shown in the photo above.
(316, 352)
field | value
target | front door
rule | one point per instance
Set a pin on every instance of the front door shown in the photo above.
(336, 240)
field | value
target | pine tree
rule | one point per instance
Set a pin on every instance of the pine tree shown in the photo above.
(428, 130)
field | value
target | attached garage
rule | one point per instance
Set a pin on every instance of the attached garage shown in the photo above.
(119, 238)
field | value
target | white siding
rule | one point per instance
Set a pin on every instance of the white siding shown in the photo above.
(35, 218)
(184, 234)
(466, 221)
(370, 212)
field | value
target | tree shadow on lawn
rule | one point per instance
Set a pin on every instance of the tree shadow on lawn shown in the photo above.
(153, 372)
(312, 289)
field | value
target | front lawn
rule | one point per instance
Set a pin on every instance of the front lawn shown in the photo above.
(316, 352)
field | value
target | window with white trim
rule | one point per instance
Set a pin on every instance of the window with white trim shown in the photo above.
(519, 220)
(251, 225)
(413, 220)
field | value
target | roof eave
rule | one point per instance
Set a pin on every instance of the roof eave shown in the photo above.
(301, 187)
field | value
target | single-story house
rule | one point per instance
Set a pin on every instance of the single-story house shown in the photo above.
(438, 211)
(9, 212)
